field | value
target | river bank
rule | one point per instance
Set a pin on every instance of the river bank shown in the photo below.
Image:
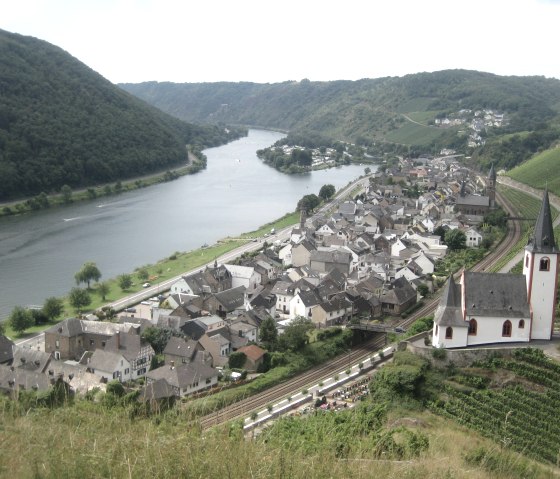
(196, 162)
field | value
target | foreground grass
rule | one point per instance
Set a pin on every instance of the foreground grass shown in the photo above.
(88, 440)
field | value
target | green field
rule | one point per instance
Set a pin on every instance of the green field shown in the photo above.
(540, 171)
(414, 134)
(422, 116)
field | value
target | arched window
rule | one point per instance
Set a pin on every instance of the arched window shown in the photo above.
(506, 329)
(544, 264)
(521, 323)
(449, 333)
(473, 326)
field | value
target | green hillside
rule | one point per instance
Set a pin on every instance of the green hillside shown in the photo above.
(398, 110)
(62, 123)
(540, 171)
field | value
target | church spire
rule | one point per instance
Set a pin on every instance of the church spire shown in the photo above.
(543, 237)
(492, 173)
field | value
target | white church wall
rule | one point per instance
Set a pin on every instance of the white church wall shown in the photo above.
(458, 337)
(489, 330)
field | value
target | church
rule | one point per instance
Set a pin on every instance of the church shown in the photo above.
(488, 308)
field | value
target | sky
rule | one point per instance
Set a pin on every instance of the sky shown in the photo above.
(269, 41)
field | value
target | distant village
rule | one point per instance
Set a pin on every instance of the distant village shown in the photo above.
(370, 258)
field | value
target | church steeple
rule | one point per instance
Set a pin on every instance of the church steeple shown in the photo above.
(543, 237)
(491, 187)
(492, 174)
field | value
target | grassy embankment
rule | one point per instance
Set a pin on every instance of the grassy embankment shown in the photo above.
(175, 265)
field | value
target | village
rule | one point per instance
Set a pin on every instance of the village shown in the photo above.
(371, 258)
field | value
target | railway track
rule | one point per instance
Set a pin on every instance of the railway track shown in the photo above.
(294, 385)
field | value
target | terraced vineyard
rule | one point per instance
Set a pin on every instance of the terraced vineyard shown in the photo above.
(525, 206)
(523, 418)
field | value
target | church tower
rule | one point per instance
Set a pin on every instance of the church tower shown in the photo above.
(540, 267)
(491, 188)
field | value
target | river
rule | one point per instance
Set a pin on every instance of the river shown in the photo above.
(236, 193)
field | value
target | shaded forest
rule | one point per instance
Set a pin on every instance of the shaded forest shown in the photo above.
(61, 123)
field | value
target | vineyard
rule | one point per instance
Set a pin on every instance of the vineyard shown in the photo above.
(523, 417)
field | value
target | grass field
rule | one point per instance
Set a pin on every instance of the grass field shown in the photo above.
(540, 171)
(422, 116)
(413, 134)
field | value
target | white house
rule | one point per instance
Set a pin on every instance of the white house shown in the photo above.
(474, 238)
(243, 276)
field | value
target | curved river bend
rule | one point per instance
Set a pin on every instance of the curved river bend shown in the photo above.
(39, 253)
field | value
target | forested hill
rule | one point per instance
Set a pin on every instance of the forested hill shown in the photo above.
(399, 110)
(62, 123)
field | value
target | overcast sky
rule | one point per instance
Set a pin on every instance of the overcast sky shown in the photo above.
(273, 41)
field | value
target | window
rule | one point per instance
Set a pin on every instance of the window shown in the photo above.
(91, 342)
(527, 261)
(449, 333)
(57, 344)
(521, 323)
(544, 264)
(506, 329)
(126, 371)
(102, 344)
(437, 329)
(473, 326)
(57, 355)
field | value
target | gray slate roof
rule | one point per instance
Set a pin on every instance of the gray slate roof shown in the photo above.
(448, 312)
(6, 349)
(183, 375)
(496, 294)
(543, 237)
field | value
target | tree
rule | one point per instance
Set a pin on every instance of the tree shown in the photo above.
(53, 308)
(125, 281)
(20, 319)
(295, 334)
(66, 192)
(308, 203)
(440, 231)
(367, 170)
(102, 289)
(237, 360)
(157, 337)
(327, 192)
(39, 317)
(88, 272)
(268, 334)
(79, 298)
(143, 274)
(423, 289)
(455, 239)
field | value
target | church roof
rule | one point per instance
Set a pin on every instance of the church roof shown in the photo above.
(496, 294)
(448, 312)
(543, 240)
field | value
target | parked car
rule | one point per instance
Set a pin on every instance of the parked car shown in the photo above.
(146, 285)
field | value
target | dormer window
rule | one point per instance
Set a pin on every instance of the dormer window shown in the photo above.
(544, 264)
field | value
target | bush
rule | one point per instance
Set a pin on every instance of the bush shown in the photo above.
(439, 353)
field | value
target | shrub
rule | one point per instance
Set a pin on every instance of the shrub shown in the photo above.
(439, 353)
